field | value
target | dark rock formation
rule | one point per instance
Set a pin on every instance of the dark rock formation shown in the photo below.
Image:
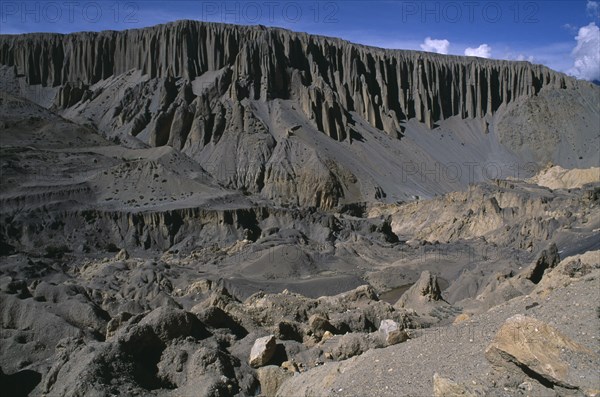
(547, 260)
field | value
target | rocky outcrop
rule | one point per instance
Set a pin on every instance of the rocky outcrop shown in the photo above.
(509, 213)
(163, 349)
(425, 298)
(557, 177)
(547, 260)
(569, 270)
(99, 229)
(425, 290)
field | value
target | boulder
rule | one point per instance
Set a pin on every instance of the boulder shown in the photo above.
(262, 351)
(14, 287)
(353, 321)
(319, 325)
(197, 368)
(528, 346)
(167, 323)
(217, 318)
(443, 387)
(363, 293)
(392, 332)
(326, 336)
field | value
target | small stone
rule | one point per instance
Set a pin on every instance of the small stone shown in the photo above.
(122, 255)
(290, 366)
(462, 318)
(443, 387)
(526, 386)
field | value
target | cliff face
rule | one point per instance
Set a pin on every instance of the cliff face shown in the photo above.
(254, 106)
(330, 77)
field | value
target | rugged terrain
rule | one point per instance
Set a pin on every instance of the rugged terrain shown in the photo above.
(207, 209)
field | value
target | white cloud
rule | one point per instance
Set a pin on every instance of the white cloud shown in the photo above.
(432, 45)
(570, 28)
(522, 57)
(593, 9)
(483, 51)
(555, 55)
(587, 53)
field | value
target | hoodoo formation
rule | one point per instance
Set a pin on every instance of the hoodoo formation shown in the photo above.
(246, 103)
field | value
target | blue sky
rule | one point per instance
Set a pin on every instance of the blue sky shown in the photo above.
(561, 34)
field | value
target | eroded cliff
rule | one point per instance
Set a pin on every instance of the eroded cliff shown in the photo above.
(302, 119)
(329, 76)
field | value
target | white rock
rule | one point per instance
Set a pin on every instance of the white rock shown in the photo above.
(262, 351)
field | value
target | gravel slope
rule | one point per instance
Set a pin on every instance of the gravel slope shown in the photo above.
(455, 351)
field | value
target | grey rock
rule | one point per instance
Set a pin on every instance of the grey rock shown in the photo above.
(350, 345)
(392, 332)
(289, 330)
(162, 325)
(16, 287)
